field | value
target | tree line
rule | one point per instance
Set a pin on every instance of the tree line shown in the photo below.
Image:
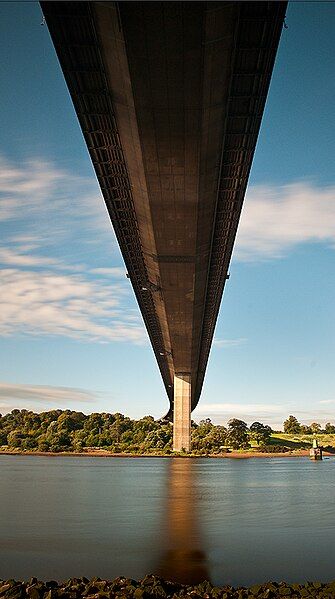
(294, 427)
(67, 430)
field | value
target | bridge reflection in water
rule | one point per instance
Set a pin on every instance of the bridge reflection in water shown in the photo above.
(184, 560)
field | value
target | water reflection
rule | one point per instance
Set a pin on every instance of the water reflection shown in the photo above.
(184, 559)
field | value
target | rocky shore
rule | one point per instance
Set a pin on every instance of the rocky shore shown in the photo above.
(154, 587)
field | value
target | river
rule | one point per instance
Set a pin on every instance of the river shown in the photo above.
(231, 521)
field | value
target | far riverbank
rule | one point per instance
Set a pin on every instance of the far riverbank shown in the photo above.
(108, 454)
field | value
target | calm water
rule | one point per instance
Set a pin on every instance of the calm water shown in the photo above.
(232, 521)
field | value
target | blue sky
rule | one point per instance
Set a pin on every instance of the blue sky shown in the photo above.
(71, 332)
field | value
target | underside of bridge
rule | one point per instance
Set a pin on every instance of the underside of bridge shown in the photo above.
(170, 96)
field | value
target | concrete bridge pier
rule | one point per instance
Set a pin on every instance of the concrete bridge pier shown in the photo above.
(182, 412)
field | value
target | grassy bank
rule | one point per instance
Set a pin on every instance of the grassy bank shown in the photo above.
(154, 587)
(298, 441)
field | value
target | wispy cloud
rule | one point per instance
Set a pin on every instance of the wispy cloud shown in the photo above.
(41, 397)
(117, 272)
(277, 219)
(47, 303)
(39, 200)
(54, 281)
(38, 184)
(229, 342)
(327, 401)
(41, 393)
(13, 257)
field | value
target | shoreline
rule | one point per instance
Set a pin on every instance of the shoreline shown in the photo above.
(106, 454)
(158, 588)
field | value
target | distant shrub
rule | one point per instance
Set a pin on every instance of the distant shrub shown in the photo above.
(273, 449)
(329, 448)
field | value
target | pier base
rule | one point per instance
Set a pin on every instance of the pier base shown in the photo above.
(182, 412)
(315, 453)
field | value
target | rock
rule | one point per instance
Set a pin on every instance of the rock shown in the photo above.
(90, 589)
(51, 594)
(296, 587)
(267, 593)
(15, 591)
(216, 592)
(284, 591)
(148, 580)
(255, 589)
(317, 585)
(4, 588)
(34, 591)
(305, 592)
(51, 584)
(330, 587)
(153, 587)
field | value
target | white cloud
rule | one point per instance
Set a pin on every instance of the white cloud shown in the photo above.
(54, 281)
(47, 303)
(277, 219)
(42, 397)
(43, 393)
(229, 342)
(12, 257)
(327, 401)
(51, 203)
(38, 183)
(117, 272)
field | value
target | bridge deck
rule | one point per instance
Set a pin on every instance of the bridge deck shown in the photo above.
(170, 97)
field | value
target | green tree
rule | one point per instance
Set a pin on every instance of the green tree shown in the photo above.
(237, 434)
(200, 433)
(29, 443)
(3, 437)
(329, 429)
(215, 439)
(305, 430)
(15, 438)
(292, 426)
(43, 444)
(261, 433)
(315, 427)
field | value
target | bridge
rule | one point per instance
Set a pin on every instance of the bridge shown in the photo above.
(169, 97)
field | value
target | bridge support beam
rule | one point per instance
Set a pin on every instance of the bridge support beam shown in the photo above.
(182, 412)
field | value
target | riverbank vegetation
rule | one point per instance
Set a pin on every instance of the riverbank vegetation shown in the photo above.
(153, 587)
(69, 431)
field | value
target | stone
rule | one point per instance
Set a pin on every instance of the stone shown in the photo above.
(317, 585)
(15, 591)
(51, 584)
(4, 588)
(33, 591)
(51, 594)
(284, 591)
(255, 589)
